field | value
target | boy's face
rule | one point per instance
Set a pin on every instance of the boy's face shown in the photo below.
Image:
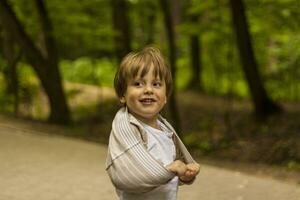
(145, 96)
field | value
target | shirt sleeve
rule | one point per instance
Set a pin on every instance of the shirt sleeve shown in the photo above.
(134, 169)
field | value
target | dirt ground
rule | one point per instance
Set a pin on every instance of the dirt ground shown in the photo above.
(36, 164)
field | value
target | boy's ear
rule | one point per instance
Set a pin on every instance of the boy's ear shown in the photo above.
(122, 100)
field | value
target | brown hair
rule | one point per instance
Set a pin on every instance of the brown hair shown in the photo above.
(133, 62)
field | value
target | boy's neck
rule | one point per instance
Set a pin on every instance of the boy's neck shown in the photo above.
(150, 122)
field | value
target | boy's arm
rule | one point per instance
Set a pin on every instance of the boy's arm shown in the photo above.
(134, 169)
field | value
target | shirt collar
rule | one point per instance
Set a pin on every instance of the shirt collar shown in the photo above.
(136, 122)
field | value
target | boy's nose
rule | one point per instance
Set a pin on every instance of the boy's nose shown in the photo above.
(148, 89)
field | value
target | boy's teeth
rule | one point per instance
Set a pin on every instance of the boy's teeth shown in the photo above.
(147, 100)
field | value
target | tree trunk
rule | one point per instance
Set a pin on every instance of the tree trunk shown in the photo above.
(262, 103)
(175, 11)
(195, 82)
(53, 86)
(45, 66)
(151, 18)
(12, 55)
(172, 58)
(122, 27)
(195, 53)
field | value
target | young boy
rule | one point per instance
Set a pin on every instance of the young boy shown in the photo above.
(146, 159)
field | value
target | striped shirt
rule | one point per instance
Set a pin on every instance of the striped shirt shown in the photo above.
(129, 165)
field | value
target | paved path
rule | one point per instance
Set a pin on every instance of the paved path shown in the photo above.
(37, 166)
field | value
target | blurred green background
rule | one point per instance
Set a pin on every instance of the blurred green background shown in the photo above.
(235, 64)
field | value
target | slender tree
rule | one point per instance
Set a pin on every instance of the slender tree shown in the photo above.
(169, 24)
(175, 9)
(151, 23)
(12, 55)
(122, 27)
(145, 29)
(195, 49)
(44, 63)
(195, 82)
(262, 102)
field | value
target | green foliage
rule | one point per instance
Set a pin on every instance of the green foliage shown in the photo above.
(4, 99)
(183, 72)
(84, 27)
(80, 28)
(88, 71)
(194, 141)
(293, 165)
(26, 13)
(84, 37)
(214, 83)
(273, 27)
(28, 89)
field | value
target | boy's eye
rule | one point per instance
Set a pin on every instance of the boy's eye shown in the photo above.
(157, 84)
(137, 83)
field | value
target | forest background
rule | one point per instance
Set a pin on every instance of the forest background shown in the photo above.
(234, 62)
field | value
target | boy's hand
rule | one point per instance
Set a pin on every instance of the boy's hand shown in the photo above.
(191, 172)
(193, 168)
(178, 167)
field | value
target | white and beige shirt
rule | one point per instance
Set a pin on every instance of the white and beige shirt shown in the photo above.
(161, 146)
(129, 164)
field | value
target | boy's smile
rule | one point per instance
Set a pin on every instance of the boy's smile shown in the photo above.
(145, 97)
(147, 101)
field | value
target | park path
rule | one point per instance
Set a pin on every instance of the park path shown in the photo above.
(37, 166)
